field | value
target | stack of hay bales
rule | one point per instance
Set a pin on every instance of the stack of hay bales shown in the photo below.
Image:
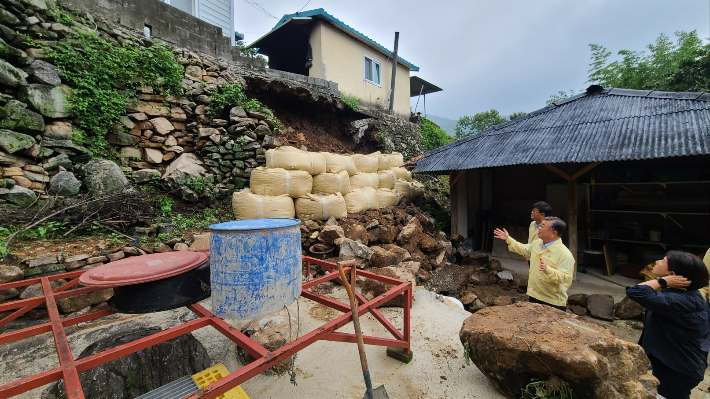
(318, 186)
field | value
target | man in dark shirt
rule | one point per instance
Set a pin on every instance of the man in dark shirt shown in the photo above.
(676, 334)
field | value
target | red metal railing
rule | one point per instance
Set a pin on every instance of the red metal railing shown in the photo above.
(69, 369)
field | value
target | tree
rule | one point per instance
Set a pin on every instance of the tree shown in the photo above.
(560, 95)
(433, 136)
(668, 66)
(468, 125)
(517, 114)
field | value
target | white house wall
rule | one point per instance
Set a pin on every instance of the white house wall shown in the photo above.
(219, 13)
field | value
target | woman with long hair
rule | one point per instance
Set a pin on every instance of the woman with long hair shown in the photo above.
(676, 334)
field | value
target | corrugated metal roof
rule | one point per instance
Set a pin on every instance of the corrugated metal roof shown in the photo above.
(319, 12)
(599, 125)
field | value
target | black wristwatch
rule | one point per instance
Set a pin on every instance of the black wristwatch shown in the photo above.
(662, 282)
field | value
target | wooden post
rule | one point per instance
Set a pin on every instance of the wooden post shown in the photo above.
(394, 69)
(453, 195)
(572, 220)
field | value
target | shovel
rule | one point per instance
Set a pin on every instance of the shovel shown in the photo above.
(380, 392)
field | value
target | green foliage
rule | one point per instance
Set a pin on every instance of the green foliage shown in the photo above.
(96, 69)
(199, 220)
(442, 219)
(162, 237)
(165, 204)
(540, 389)
(560, 95)
(683, 65)
(115, 239)
(517, 114)
(244, 51)
(61, 16)
(468, 125)
(144, 240)
(232, 95)
(351, 102)
(433, 136)
(199, 184)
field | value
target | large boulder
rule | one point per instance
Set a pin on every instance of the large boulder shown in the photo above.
(515, 343)
(11, 76)
(50, 101)
(65, 184)
(18, 118)
(382, 257)
(74, 303)
(19, 196)
(12, 142)
(103, 177)
(628, 309)
(330, 233)
(9, 274)
(353, 250)
(140, 372)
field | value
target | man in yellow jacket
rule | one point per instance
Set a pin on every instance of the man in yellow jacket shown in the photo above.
(551, 263)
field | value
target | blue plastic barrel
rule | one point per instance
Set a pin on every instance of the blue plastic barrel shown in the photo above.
(255, 266)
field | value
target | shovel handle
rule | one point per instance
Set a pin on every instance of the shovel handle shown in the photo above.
(356, 323)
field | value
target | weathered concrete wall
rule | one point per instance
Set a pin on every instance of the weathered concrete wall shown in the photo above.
(166, 22)
(395, 133)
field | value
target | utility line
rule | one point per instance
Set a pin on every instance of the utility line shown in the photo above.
(260, 8)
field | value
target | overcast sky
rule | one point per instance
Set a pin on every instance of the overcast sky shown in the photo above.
(510, 55)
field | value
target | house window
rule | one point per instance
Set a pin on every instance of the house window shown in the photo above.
(373, 71)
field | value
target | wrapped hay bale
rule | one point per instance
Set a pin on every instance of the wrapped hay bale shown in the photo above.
(387, 197)
(396, 159)
(361, 180)
(383, 163)
(291, 158)
(247, 205)
(336, 163)
(362, 199)
(365, 163)
(278, 181)
(331, 183)
(404, 189)
(387, 178)
(321, 207)
(418, 189)
(403, 173)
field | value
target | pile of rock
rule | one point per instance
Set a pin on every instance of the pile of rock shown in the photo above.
(602, 306)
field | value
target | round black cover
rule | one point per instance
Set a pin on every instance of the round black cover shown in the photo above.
(169, 293)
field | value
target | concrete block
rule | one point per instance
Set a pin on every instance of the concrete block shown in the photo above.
(398, 354)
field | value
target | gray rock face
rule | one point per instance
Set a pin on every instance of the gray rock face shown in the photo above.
(7, 18)
(21, 119)
(9, 274)
(20, 196)
(65, 184)
(140, 372)
(12, 142)
(44, 73)
(8, 52)
(103, 177)
(146, 175)
(50, 101)
(11, 76)
(601, 306)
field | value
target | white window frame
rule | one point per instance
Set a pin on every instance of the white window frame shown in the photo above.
(373, 62)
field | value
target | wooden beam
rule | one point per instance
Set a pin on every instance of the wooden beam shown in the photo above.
(453, 196)
(572, 221)
(557, 171)
(585, 170)
(455, 179)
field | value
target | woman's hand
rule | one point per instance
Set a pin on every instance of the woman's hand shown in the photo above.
(677, 282)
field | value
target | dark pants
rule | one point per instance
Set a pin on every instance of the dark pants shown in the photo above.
(673, 385)
(535, 300)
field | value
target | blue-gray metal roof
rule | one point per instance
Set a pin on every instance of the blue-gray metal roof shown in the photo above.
(320, 13)
(599, 125)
